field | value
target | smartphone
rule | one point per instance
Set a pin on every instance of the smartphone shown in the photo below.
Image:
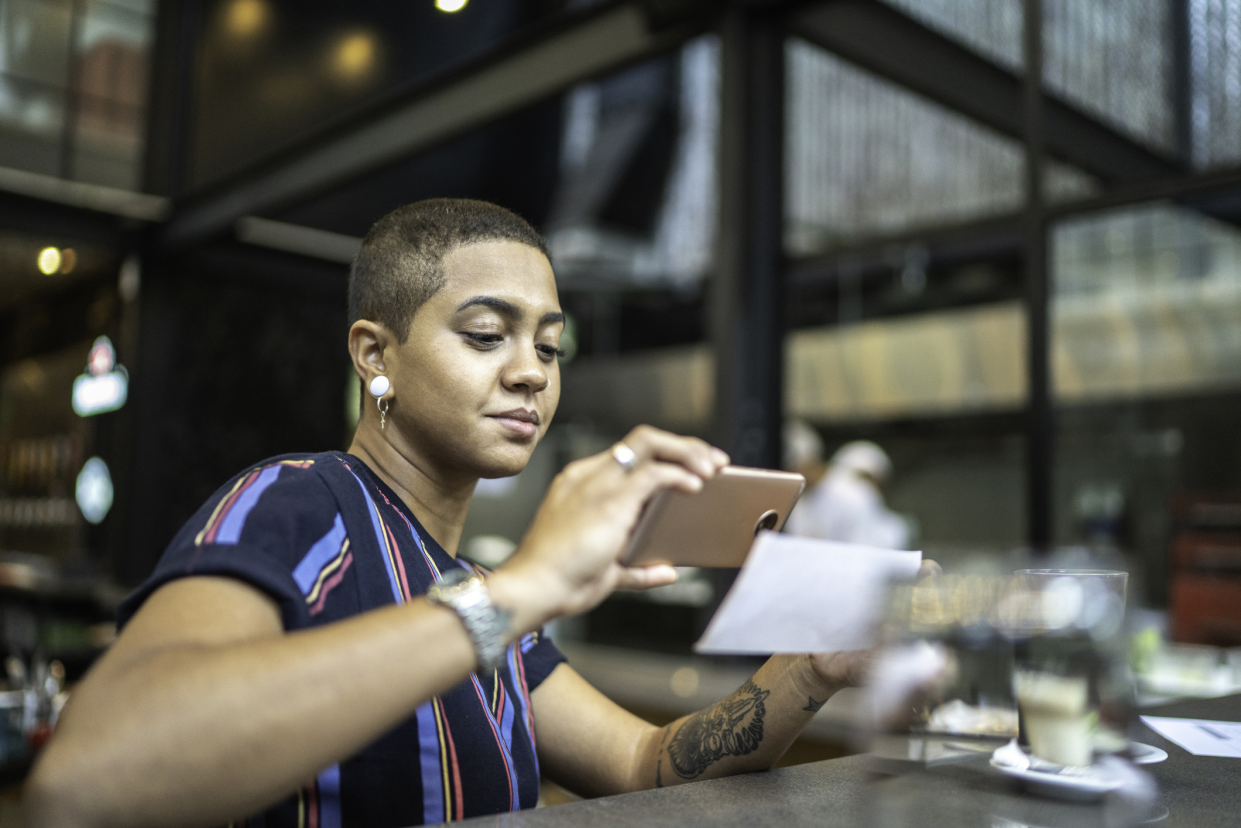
(717, 525)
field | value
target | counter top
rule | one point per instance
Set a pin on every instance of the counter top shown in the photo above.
(1197, 791)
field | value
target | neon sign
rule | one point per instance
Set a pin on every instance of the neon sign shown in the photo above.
(105, 386)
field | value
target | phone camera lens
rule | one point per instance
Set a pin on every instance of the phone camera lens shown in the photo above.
(767, 520)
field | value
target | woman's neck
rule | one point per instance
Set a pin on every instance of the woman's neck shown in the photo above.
(440, 506)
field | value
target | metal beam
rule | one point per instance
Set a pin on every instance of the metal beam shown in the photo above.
(299, 239)
(990, 238)
(170, 98)
(747, 292)
(888, 43)
(593, 43)
(1040, 408)
(94, 198)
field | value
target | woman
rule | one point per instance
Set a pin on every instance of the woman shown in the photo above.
(285, 660)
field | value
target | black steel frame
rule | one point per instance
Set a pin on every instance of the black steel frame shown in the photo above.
(747, 309)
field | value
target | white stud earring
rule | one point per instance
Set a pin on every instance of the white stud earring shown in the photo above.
(378, 387)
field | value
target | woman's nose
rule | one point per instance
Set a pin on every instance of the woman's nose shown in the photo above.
(527, 371)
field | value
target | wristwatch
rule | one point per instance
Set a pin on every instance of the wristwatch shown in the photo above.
(465, 593)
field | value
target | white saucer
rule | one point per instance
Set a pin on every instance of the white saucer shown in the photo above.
(1144, 754)
(1077, 784)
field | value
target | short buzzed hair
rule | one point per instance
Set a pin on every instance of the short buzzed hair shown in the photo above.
(400, 264)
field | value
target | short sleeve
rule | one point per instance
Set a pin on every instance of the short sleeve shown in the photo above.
(539, 657)
(260, 527)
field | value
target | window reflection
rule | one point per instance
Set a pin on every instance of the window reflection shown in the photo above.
(1147, 302)
(68, 108)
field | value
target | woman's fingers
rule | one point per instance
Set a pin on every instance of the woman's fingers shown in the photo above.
(646, 577)
(844, 669)
(636, 486)
(580, 531)
(696, 455)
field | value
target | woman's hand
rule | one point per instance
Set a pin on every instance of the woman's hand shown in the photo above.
(855, 668)
(839, 670)
(569, 560)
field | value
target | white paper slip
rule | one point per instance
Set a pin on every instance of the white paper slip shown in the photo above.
(801, 595)
(1201, 737)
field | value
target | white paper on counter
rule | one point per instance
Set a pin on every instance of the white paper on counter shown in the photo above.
(1201, 737)
(802, 595)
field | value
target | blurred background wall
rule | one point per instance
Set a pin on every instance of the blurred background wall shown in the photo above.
(865, 214)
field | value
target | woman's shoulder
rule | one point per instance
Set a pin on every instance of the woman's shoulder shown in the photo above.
(281, 486)
(306, 471)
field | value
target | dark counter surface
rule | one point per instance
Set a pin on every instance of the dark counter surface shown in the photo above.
(1197, 791)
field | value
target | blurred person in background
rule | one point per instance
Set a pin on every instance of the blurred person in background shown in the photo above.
(310, 651)
(843, 500)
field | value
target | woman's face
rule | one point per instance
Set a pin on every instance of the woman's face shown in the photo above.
(477, 381)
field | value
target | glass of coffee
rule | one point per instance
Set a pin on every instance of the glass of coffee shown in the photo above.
(1069, 667)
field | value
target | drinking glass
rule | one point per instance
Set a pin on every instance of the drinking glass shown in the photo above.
(1070, 678)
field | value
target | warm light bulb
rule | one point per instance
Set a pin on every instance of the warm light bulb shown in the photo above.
(450, 5)
(354, 57)
(245, 18)
(49, 260)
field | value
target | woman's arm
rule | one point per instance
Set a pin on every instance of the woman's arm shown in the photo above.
(594, 747)
(206, 710)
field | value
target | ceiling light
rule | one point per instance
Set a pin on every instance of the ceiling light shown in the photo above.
(354, 56)
(49, 260)
(245, 18)
(450, 5)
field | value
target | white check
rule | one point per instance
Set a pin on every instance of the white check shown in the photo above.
(801, 595)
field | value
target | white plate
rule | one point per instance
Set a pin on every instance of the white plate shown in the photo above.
(1076, 784)
(1144, 754)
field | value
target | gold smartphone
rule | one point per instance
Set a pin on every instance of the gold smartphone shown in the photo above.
(716, 526)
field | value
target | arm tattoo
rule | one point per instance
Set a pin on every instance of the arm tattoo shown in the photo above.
(734, 727)
(659, 764)
(814, 706)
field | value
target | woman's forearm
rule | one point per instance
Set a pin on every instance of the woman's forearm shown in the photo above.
(201, 734)
(748, 731)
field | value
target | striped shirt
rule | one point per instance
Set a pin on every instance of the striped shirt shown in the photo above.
(327, 539)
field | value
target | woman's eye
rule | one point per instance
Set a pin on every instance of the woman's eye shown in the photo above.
(550, 351)
(484, 339)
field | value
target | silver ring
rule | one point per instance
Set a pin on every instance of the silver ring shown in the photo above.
(624, 455)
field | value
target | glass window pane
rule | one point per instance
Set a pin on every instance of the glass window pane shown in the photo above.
(146, 7)
(1215, 70)
(113, 56)
(941, 394)
(31, 125)
(1147, 302)
(1113, 58)
(1146, 357)
(645, 136)
(113, 53)
(990, 27)
(34, 40)
(108, 149)
(950, 362)
(866, 157)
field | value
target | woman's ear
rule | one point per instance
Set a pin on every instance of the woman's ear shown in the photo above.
(367, 343)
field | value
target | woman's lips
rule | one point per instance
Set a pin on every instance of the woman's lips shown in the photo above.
(519, 424)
